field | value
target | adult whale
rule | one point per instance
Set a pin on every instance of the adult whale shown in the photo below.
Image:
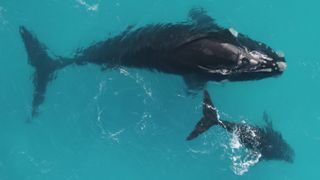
(198, 49)
(263, 140)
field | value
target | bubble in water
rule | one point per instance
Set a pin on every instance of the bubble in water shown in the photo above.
(3, 21)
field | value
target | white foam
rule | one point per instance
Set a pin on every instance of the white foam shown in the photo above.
(3, 21)
(124, 72)
(260, 55)
(241, 164)
(92, 7)
(235, 143)
(145, 120)
(242, 158)
(115, 136)
(198, 151)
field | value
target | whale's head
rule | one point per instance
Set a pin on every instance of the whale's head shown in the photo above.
(229, 55)
(255, 60)
(274, 147)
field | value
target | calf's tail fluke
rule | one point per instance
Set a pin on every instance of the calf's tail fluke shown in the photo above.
(44, 65)
(210, 117)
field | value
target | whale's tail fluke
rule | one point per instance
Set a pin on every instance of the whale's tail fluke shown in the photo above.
(45, 66)
(210, 117)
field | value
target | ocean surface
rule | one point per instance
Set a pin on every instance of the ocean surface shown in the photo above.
(128, 124)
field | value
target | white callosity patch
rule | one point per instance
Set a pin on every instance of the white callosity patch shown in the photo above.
(264, 70)
(259, 55)
(282, 66)
(253, 62)
(89, 7)
(217, 71)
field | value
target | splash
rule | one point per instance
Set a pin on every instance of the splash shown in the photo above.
(241, 157)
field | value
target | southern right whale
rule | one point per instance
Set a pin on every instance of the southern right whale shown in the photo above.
(263, 140)
(199, 50)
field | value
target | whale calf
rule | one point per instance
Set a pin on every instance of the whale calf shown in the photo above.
(263, 140)
(197, 49)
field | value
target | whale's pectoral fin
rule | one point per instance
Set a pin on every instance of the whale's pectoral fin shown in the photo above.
(200, 17)
(267, 119)
(209, 119)
(194, 83)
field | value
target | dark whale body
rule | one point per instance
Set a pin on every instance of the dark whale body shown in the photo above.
(198, 50)
(263, 140)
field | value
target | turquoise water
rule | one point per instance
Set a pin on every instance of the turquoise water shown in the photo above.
(131, 124)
